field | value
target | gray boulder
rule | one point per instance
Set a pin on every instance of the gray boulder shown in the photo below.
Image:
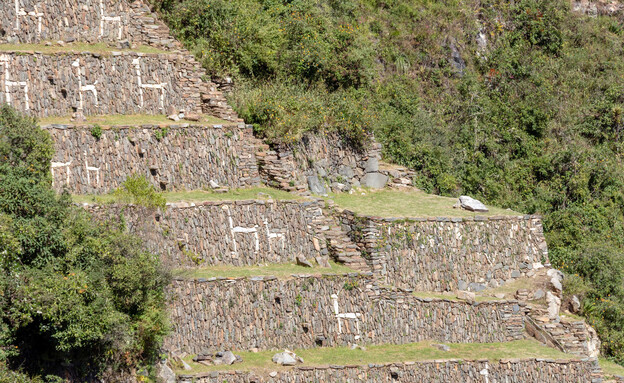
(472, 204)
(286, 358)
(228, 358)
(374, 180)
(346, 171)
(371, 165)
(164, 374)
(302, 261)
(316, 186)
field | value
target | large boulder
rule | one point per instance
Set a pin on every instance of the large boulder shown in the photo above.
(472, 204)
(286, 358)
(374, 180)
(316, 186)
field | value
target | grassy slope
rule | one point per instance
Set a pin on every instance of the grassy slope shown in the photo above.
(388, 354)
(130, 120)
(101, 48)
(278, 270)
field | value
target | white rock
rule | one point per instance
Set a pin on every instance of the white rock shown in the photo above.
(554, 304)
(472, 204)
(466, 296)
(273, 374)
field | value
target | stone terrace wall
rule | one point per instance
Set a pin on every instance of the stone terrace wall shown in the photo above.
(443, 371)
(55, 84)
(89, 21)
(318, 162)
(187, 157)
(219, 314)
(281, 231)
(443, 254)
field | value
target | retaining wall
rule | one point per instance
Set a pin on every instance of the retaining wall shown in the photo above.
(34, 21)
(320, 162)
(238, 233)
(268, 313)
(185, 157)
(445, 254)
(442, 371)
(116, 83)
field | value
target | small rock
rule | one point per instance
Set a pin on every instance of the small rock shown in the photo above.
(255, 350)
(273, 374)
(213, 184)
(575, 304)
(472, 204)
(539, 294)
(323, 262)
(442, 347)
(193, 117)
(500, 295)
(173, 117)
(185, 365)
(302, 261)
(466, 296)
(554, 304)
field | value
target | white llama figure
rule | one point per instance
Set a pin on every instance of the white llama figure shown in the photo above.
(92, 169)
(84, 88)
(243, 230)
(160, 86)
(345, 316)
(109, 19)
(272, 235)
(56, 165)
(8, 83)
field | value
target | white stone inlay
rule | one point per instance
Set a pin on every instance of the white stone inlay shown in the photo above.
(109, 19)
(273, 235)
(242, 230)
(84, 88)
(345, 316)
(485, 373)
(92, 169)
(8, 83)
(56, 165)
(21, 12)
(159, 86)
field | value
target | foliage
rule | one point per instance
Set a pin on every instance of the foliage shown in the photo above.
(73, 292)
(96, 132)
(534, 122)
(137, 190)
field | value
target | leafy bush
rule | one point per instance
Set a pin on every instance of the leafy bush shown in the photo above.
(137, 190)
(73, 292)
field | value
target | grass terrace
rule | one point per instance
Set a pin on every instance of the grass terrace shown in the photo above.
(261, 361)
(397, 203)
(610, 368)
(257, 193)
(278, 270)
(54, 47)
(130, 120)
(452, 296)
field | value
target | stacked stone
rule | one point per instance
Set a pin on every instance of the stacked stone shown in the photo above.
(465, 371)
(177, 157)
(267, 313)
(445, 254)
(205, 234)
(90, 21)
(278, 170)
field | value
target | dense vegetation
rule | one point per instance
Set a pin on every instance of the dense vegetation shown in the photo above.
(76, 297)
(518, 103)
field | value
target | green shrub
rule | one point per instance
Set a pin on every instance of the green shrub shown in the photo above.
(96, 132)
(137, 190)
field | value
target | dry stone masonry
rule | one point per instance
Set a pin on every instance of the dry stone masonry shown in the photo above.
(172, 158)
(446, 254)
(328, 310)
(465, 371)
(91, 21)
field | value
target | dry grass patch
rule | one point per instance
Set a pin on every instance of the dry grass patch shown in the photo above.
(398, 203)
(133, 120)
(101, 48)
(261, 361)
(280, 270)
(257, 193)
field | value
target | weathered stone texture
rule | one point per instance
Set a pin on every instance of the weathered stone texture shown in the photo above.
(91, 21)
(527, 370)
(55, 80)
(183, 157)
(283, 229)
(442, 371)
(326, 156)
(268, 313)
(445, 254)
